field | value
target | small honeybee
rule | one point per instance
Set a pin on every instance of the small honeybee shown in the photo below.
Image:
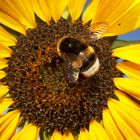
(78, 55)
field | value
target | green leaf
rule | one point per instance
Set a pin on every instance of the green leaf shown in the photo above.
(65, 14)
(122, 43)
(43, 135)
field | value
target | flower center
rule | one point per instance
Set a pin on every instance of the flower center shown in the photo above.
(40, 89)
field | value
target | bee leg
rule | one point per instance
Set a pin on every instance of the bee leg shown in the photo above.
(72, 74)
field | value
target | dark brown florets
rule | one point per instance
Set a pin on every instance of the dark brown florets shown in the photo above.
(39, 87)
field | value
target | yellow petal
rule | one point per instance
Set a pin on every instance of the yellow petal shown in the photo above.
(28, 11)
(4, 51)
(97, 131)
(7, 115)
(56, 135)
(130, 69)
(75, 8)
(21, 11)
(3, 63)
(4, 104)
(9, 124)
(84, 134)
(6, 38)
(42, 10)
(126, 100)
(110, 126)
(5, 48)
(30, 131)
(3, 90)
(131, 53)
(130, 86)
(122, 16)
(11, 23)
(68, 136)
(2, 74)
(6, 43)
(92, 135)
(132, 112)
(90, 11)
(128, 126)
(57, 8)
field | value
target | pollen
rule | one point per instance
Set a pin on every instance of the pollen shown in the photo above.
(38, 84)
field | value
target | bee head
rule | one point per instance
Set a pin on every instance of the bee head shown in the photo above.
(70, 45)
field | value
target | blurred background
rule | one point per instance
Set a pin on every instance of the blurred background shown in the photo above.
(135, 35)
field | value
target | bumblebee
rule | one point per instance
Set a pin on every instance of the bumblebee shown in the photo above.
(78, 56)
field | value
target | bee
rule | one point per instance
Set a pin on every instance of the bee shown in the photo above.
(78, 56)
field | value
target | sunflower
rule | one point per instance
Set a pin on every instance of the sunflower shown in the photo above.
(39, 100)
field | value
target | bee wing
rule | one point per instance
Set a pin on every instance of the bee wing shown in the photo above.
(96, 32)
(98, 29)
(71, 73)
